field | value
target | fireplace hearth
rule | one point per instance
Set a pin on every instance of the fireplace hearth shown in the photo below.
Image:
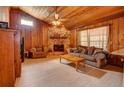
(58, 47)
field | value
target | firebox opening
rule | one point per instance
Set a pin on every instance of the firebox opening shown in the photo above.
(59, 47)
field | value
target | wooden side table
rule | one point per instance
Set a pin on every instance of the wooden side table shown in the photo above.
(117, 57)
(26, 54)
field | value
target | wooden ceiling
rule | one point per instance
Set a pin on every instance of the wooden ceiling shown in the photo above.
(76, 15)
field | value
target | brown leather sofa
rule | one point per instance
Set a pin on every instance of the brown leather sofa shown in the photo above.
(37, 53)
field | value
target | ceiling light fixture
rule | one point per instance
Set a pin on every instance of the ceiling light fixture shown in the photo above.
(57, 20)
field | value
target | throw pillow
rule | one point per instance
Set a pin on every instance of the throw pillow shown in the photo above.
(91, 50)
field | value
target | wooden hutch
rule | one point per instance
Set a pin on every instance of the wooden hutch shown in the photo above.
(10, 61)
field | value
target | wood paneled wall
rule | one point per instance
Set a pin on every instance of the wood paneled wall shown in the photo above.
(123, 76)
(73, 38)
(33, 36)
(116, 34)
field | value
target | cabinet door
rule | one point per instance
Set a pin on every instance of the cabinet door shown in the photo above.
(115, 60)
(7, 76)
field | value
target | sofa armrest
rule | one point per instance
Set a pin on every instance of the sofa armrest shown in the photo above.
(100, 59)
(30, 54)
(69, 50)
(100, 55)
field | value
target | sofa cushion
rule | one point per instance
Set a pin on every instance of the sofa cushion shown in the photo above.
(76, 51)
(91, 50)
(88, 57)
(39, 53)
(84, 51)
(33, 50)
(39, 49)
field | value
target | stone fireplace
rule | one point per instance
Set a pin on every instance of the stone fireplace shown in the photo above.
(59, 39)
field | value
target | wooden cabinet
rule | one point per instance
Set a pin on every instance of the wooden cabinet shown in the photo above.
(115, 60)
(10, 65)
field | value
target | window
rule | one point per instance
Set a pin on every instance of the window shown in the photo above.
(83, 38)
(97, 37)
(26, 22)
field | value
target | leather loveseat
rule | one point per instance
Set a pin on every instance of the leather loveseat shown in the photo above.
(37, 53)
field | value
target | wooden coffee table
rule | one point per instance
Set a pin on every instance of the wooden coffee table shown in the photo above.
(74, 59)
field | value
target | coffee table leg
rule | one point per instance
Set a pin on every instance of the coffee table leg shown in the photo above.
(84, 66)
(60, 59)
(77, 64)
